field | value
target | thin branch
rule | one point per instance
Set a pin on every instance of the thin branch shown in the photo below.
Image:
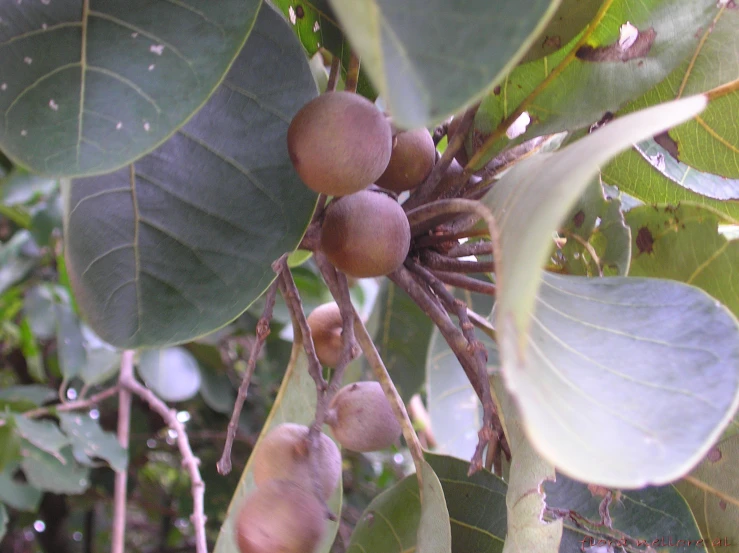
(491, 429)
(426, 191)
(434, 260)
(224, 464)
(333, 76)
(448, 237)
(189, 461)
(352, 73)
(118, 532)
(290, 293)
(378, 367)
(422, 420)
(473, 248)
(92, 401)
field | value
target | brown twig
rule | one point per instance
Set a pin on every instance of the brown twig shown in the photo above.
(472, 248)
(72, 405)
(422, 420)
(352, 73)
(450, 237)
(290, 293)
(189, 461)
(118, 531)
(427, 190)
(333, 75)
(434, 260)
(465, 282)
(224, 464)
(491, 429)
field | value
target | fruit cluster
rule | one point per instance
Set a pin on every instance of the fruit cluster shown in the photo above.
(284, 514)
(340, 144)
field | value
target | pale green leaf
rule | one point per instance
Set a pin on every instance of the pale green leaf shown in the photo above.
(172, 373)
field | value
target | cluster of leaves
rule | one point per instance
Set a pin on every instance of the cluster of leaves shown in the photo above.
(163, 124)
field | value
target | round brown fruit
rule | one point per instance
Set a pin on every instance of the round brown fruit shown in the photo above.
(282, 454)
(339, 143)
(280, 516)
(325, 326)
(411, 161)
(366, 234)
(361, 418)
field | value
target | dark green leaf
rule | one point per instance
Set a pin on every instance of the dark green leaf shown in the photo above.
(630, 172)
(476, 506)
(38, 307)
(18, 495)
(182, 242)
(31, 352)
(17, 257)
(296, 403)
(428, 59)
(402, 338)
(70, 342)
(22, 398)
(217, 390)
(10, 444)
(3, 521)
(43, 434)
(683, 243)
(103, 360)
(55, 475)
(645, 515)
(597, 74)
(47, 218)
(87, 87)
(173, 373)
(89, 441)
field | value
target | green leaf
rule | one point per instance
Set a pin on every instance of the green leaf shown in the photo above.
(19, 495)
(70, 342)
(20, 187)
(634, 175)
(103, 360)
(55, 475)
(402, 338)
(173, 373)
(429, 59)
(708, 142)
(10, 444)
(87, 87)
(653, 363)
(182, 242)
(396, 521)
(600, 222)
(469, 497)
(638, 517)
(712, 491)
(89, 441)
(531, 201)
(23, 398)
(17, 257)
(527, 532)
(296, 403)
(683, 243)
(45, 434)
(3, 521)
(569, 19)
(576, 85)
(31, 352)
(38, 307)
(216, 389)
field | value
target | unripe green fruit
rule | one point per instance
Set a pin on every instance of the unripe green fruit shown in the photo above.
(366, 234)
(339, 143)
(361, 418)
(411, 161)
(280, 517)
(282, 454)
(325, 326)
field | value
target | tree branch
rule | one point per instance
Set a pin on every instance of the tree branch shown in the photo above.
(118, 533)
(352, 73)
(465, 282)
(72, 405)
(434, 260)
(224, 464)
(473, 248)
(189, 461)
(333, 76)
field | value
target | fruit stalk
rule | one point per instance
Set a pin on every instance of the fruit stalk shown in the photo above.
(434, 260)
(224, 464)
